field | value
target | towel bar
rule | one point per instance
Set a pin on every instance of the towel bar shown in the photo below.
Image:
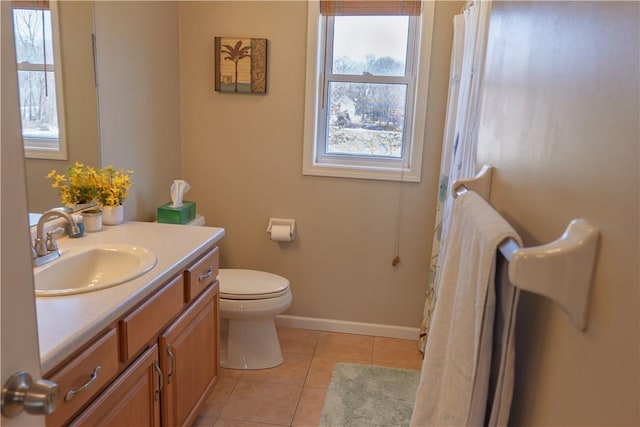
(561, 270)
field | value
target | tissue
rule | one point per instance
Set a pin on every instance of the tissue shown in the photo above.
(178, 190)
(178, 211)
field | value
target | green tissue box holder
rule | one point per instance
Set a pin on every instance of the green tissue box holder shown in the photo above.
(181, 215)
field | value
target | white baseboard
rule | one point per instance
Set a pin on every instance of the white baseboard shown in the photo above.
(329, 325)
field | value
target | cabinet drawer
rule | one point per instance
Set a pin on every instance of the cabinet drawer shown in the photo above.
(84, 376)
(146, 321)
(201, 274)
(132, 399)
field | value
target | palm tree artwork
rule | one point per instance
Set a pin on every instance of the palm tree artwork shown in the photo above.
(236, 54)
(241, 65)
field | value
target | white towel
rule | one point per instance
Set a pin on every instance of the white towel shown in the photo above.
(454, 380)
(504, 349)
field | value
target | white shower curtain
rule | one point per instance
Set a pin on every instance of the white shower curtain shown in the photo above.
(459, 144)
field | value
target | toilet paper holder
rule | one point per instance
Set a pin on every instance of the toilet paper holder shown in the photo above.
(291, 223)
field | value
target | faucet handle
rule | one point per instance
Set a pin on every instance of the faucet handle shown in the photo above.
(51, 243)
(40, 247)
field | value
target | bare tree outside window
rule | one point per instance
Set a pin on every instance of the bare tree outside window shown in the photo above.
(36, 76)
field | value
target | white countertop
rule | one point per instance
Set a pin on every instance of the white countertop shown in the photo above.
(67, 322)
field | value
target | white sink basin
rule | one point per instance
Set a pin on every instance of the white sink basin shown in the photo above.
(92, 268)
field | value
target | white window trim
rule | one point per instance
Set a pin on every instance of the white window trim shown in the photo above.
(313, 94)
(41, 148)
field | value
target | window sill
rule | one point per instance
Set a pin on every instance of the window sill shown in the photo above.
(41, 153)
(375, 173)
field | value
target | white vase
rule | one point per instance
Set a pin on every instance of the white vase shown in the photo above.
(92, 219)
(112, 215)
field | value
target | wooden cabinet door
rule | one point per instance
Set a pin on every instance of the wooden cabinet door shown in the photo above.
(132, 400)
(189, 360)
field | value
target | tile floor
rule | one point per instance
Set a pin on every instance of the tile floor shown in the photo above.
(292, 394)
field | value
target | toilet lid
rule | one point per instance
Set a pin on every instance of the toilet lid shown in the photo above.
(251, 284)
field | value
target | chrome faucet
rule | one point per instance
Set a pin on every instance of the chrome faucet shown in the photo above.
(46, 249)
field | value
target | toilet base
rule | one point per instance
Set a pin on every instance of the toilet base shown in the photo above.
(249, 344)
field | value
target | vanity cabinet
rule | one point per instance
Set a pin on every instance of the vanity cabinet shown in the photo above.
(155, 365)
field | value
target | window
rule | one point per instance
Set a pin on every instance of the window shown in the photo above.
(367, 75)
(39, 79)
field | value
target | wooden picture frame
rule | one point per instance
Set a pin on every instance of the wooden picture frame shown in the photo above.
(240, 65)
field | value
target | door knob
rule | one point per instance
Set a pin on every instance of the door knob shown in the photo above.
(20, 392)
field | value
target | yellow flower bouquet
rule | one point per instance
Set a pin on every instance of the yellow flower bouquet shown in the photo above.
(77, 186)
(112, 185)
(84, 184)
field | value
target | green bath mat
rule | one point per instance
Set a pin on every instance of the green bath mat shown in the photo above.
(369, 396)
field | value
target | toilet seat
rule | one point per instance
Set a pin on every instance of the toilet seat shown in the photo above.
(240, 284)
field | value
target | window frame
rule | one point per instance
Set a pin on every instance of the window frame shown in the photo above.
(49, 148)
(315, 161)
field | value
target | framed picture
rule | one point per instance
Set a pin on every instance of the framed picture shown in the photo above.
(241, 65)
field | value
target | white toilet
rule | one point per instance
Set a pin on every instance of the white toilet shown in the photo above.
(249, 301)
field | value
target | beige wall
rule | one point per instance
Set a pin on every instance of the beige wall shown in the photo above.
(139, 98)
(560, 124)
(81, 112)
(242, 155)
